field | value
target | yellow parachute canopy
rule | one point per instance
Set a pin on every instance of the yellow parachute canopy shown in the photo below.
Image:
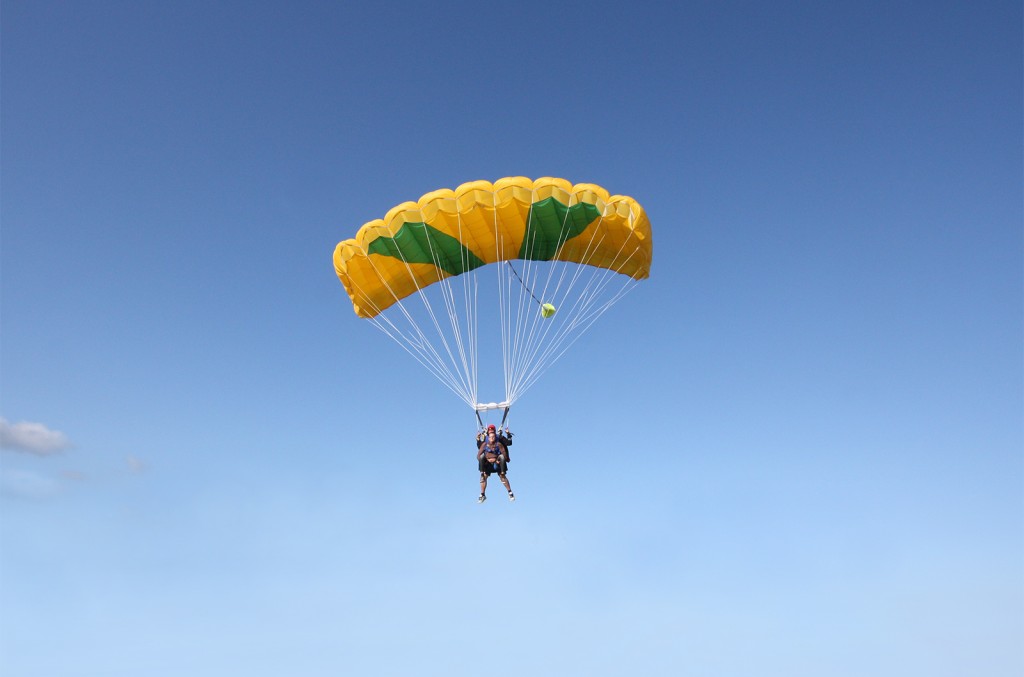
(450, 232)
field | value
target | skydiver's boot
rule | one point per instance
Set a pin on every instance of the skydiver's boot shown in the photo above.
(481, 498)
(511, 497)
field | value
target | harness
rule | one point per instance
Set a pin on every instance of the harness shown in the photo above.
(488, 448)
(503, 418)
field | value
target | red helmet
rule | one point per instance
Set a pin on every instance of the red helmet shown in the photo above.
(491, 427)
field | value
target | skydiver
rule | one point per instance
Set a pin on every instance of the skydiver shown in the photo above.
(492, 456)
(504, 436)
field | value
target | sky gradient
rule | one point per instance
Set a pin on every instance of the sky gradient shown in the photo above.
(795, 450)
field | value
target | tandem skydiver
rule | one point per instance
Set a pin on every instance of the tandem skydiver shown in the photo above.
(492, 456)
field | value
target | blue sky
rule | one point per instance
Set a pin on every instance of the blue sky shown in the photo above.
(795, 450)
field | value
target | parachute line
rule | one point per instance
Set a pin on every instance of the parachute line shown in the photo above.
(521, 282)
(423, 346)
(573, 265)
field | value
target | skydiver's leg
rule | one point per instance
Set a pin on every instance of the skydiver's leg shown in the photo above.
(504, 480)
(483, 483)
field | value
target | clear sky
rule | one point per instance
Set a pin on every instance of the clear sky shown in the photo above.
(796, 450)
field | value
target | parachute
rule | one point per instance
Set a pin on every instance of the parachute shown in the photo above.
(439, 276)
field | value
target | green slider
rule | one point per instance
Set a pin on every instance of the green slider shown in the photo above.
(547, 219)
(420, 243)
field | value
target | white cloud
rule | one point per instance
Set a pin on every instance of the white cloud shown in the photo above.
(35, 438)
